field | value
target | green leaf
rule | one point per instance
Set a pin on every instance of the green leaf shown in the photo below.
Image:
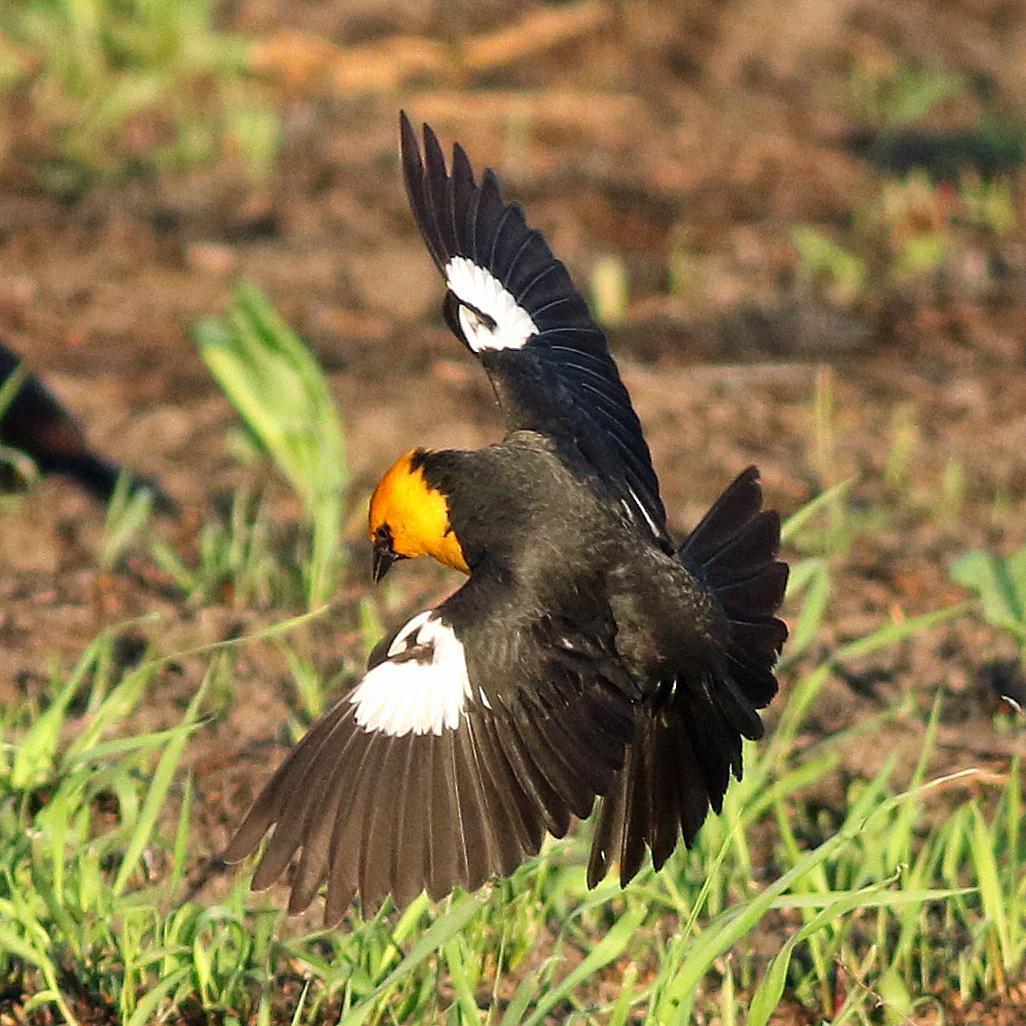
(1001, 584)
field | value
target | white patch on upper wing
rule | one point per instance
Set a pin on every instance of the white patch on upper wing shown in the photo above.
(481, 289)
(416, 695)
(402, 640)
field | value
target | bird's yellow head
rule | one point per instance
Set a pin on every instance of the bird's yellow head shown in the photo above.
(409, 517)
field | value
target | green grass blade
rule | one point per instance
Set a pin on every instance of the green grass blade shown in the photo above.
(811, 577)
(461, 982)
(526, 992)
(37, 750)
(163, 776)
(145, 1011)
(435, 937)
(994, 902)
(608, 949)
(796, 522)
(897, 631)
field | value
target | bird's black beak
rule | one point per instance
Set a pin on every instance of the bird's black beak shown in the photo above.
(383, 558)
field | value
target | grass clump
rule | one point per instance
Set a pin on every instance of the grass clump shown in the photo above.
(913, 894)
(283, 397)
(235, 562)
(95, 853)
(902, 894)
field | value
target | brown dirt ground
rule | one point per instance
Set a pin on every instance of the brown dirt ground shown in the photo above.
(703, 122)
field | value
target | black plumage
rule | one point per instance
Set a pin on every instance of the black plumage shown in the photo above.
(586, 659)
(563, 377)
(36, 423)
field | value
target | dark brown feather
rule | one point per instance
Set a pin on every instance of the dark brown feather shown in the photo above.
(479, 841)
(448, 857)
(329, 784)
(409, 845)
(553, 810)
(524, 816)
(344, 848)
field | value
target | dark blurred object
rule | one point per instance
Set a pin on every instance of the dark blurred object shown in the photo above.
(35, 423)
(988, 150)
(1007, 684)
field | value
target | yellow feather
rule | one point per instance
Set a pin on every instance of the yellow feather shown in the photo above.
(416, 514)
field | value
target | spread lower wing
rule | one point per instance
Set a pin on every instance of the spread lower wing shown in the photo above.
(445, 765)
(515, 307)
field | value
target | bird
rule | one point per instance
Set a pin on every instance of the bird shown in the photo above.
(586, 662)
(36, 423)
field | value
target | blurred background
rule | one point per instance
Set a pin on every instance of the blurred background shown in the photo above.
(803, 223)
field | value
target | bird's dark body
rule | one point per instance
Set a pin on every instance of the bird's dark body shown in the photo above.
(37, 424)
(587, 659)
(566, 587)
(534, 519)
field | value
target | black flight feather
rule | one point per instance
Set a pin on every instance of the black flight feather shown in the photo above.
(591, 409)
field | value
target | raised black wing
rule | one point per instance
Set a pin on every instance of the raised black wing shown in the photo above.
(515, 307)
(461, 746)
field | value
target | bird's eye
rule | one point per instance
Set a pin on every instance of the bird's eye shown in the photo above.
(383, 534)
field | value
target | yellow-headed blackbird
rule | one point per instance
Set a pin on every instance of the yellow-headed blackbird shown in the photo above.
(585, 657)
(35, 423)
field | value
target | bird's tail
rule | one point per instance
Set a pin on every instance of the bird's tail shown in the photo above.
(688, 741)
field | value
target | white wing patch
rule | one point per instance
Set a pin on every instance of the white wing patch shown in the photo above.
(482, 290)
(416, 695)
